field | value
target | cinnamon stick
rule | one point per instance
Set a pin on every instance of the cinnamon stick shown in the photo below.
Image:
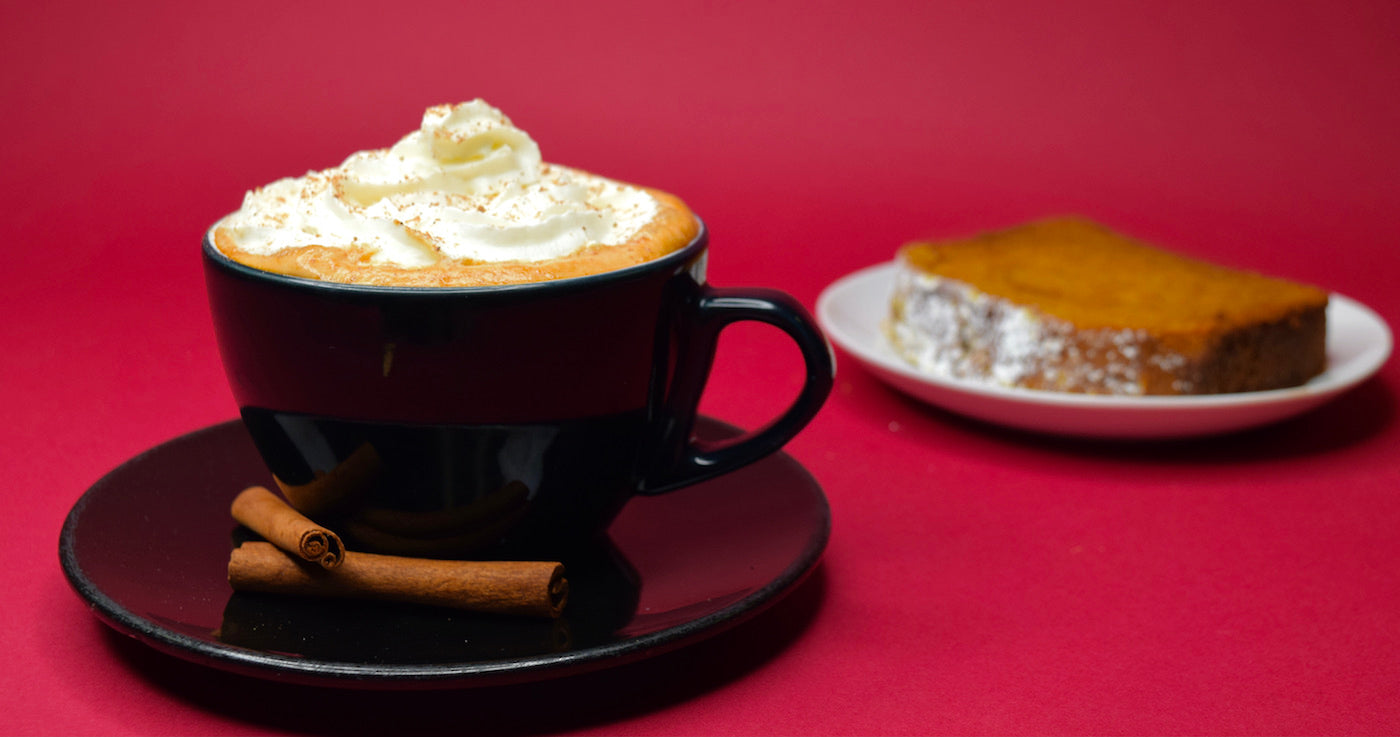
(526, 588)
(268, 515)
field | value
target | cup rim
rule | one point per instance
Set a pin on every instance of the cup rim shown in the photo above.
(685, 253)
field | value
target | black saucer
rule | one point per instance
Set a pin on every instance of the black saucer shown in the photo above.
(147, 547)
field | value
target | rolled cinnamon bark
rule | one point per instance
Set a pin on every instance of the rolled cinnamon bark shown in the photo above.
(523, 588)
(268, 515)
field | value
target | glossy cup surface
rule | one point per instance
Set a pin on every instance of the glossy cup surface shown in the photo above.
(511, 419)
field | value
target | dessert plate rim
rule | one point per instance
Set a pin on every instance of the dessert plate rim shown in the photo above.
(851, 309)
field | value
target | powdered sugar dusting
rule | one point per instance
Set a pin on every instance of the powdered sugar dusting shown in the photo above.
(950, 329)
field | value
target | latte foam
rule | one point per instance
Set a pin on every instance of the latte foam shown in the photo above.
(465, 200)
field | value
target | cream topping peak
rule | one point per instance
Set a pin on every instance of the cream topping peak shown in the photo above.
(467, 185)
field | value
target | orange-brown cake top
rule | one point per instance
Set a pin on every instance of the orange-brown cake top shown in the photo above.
(1083, 273)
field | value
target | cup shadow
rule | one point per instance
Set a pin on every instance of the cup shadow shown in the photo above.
(571, 702)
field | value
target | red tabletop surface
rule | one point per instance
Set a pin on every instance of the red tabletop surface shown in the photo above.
(977, 580)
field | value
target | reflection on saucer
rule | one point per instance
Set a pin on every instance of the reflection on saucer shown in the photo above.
(147, 548)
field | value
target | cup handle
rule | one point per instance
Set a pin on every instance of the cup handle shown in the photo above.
(686, 460)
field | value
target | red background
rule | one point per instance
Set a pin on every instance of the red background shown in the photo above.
(977, 581)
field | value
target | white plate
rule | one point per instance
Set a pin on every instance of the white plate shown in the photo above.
(851, 309)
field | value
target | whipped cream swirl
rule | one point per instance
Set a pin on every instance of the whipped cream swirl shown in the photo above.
(467, 186)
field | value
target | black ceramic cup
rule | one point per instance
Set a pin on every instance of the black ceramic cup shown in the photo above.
(508, 420)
